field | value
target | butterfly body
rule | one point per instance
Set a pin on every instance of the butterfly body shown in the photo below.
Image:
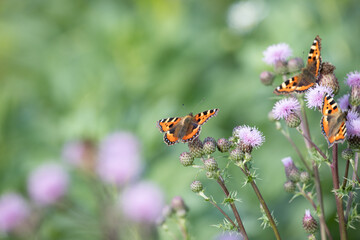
(333, 122)
(308, 76)
(184, 129)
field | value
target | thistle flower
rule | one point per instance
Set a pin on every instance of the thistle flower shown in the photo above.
(353, 127)
(48, 183)
(13, 211)
(310, 225)
(119, 159)
(229, 236)
(277, 52)
(291, 171)
(285, 107)
(353, 79)
(315, 96)
(142, 202)
(249, 137)
(344, 102)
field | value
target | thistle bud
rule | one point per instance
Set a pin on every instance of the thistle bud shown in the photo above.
(355, 96)
(196, 186)
(209, 139)
(295, 64)
(291, 171)
(211, 164)
(327, 77)
(280, 67)
(311, 237)
(186, 159)
(347, 154)
(267, 78)
(223, 145)
(292, 120)
(209, 147)
(354, 142)
(236, 155)
(304, 177)
(211, 175)
(177, 203)
(196, 148)
(289, 187)
(310, 225)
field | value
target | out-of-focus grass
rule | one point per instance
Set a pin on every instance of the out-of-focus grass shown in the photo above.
(82, 69)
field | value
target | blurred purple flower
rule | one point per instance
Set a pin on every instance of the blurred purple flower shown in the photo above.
(288, 162)
(143, 202)
(353, 127)
(48, 183)
(344, 102)
(249, 136)
(315, 96)
(229, 236)
(283, 108)
(119, 158)
(277, 52)
(73, 152)
(13, 211)
(353, 79)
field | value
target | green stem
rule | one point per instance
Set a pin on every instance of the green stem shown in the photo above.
(339, 206)
(262, 202)
(351, 194)
(224, 213)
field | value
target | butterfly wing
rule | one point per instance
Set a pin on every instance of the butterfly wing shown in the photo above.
(202, 117)
(333, 122)
(192, 133)
(288, 86)
(167, 123)
(314, 57)
(170, 138)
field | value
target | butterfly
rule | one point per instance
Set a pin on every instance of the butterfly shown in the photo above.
(184, 129)
(308, 76)
(333, 122)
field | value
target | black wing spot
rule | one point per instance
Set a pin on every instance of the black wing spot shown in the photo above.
(172, 130)
(329, 111)
(287, 82)
(171, 125)
(311, 50)
(199, 120)
(332, 102)
(335, 107)
(212, 110)
(204, 112)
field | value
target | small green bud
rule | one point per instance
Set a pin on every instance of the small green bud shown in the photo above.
(354, 142)
(347, 154)
(355, 96)
(209, 147)
(186, 159)
(196, 186)
(292, 120)
(211, 164)
(236, 155)
(209, 139)
(294, 175)
(304, 177)
(223, 145)
(289, 187)
(211, 175)
(196, 148)
(310, 225)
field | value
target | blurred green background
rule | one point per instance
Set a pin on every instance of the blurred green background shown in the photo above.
(77, 69)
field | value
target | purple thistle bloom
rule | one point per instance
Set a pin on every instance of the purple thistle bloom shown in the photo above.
(143, 202)
(315, 96)
(249, 136)
(48, 183)
(283, 108)
(352, 115)
(277, 52)
(13, 211)
(119, 158)
(353, 79)
(353, 127)
(288, 162)
(344, 102)
(229, 236)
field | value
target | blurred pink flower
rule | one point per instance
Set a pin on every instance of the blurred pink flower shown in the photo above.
(353, 79)
(119, 158)
(13, 211)
(143, 202)
(47, 183)
(277, 52)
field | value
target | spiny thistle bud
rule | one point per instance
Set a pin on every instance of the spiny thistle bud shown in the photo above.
(292, 120)
(291, 171)
(267, 78)
(347, 154)
(310, 225)
(209, 139)
(304, 177)
(196, 186)
(247, 157)
(211, 164)
(327, 77)
(236, 155)
(177, 203)
(311, 237)
(280, 67)
(196, 148)
(186, 159)
(355, 96)
(354, 142)
(289, 187)
(295, 64)
(223, 145)
(209, 147)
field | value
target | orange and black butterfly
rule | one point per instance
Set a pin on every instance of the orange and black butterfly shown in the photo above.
(308, 76)
(333, 122)
(184, 129)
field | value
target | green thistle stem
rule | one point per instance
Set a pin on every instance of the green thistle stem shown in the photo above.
(351, 195)
(339, 206)
(345, 175)
(262, 202)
